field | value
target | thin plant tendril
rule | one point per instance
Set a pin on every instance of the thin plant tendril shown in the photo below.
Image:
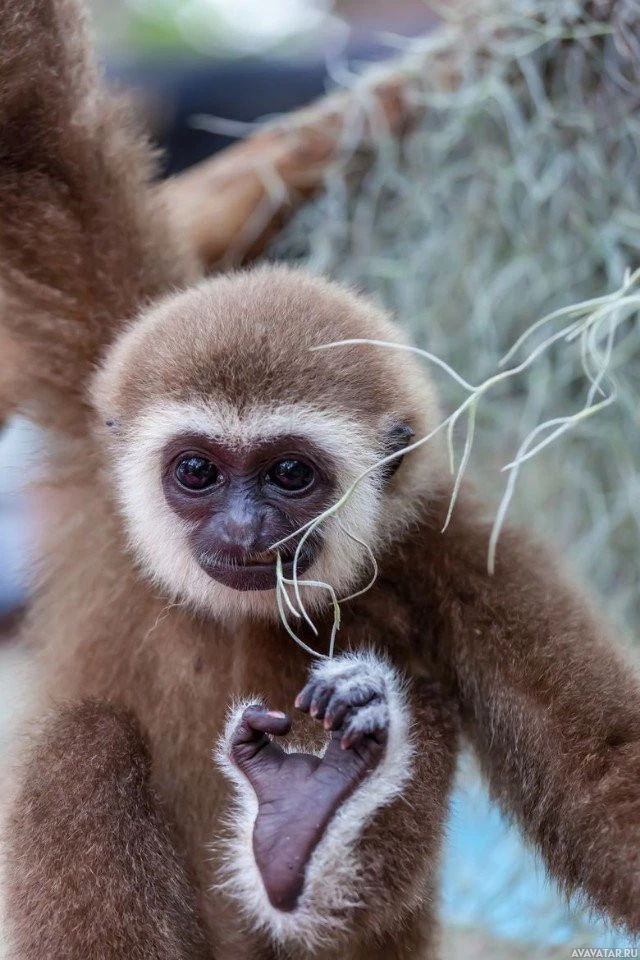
(590, 323)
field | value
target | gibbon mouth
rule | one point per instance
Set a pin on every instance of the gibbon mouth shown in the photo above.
(253, 573)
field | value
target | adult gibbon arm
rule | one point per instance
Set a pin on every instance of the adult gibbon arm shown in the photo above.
(83, 242)
(551, 704)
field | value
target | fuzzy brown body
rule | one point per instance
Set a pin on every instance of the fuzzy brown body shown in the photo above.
(177, 674)
(456, 625)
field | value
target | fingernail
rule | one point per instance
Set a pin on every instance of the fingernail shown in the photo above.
(297, 701)
(313, 711)
(327, 722)
(277, 714)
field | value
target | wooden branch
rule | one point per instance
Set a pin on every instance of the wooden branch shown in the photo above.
(231, 205)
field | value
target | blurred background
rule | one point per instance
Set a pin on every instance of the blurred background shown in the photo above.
(239, 61)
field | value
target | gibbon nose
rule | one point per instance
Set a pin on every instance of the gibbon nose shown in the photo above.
(239, 534)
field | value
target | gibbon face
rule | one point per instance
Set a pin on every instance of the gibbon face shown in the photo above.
(241, 499)
(228, 433)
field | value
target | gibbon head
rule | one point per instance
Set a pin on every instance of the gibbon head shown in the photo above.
(227, 432)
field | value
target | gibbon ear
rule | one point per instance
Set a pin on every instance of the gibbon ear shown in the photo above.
(399, 436)
(111, 427)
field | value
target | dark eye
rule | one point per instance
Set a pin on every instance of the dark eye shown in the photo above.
(291, 475)
(197, 473)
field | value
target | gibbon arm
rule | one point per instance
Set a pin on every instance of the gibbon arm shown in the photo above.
(92, 869)
(551, 705)
(83, 242)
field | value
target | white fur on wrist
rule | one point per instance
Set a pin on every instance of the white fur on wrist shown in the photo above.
(335, 886)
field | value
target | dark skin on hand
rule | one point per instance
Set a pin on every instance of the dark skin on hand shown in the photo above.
(298, 793)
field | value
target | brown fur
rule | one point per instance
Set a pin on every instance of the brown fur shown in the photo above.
(551, 708)
(73, 166)
(118, 849)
